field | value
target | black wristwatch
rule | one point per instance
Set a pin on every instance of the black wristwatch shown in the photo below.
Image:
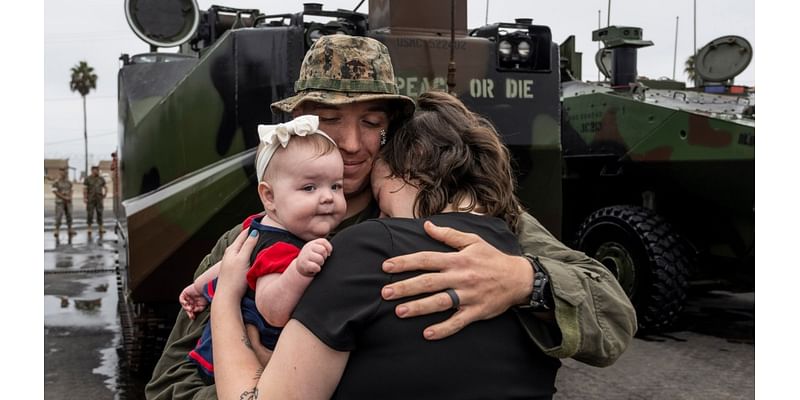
(541, 296)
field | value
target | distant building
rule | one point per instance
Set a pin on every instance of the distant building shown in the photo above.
(105, 169)
(53, 166)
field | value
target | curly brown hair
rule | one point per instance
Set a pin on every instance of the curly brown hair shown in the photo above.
(453, 156)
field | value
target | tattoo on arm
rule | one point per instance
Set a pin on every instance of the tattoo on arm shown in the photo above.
(246, 341)
(249, 395)
(258, 373)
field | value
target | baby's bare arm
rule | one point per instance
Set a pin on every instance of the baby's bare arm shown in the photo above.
(278, 294)
(207, 276)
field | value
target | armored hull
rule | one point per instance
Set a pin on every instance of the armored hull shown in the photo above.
(659, 179)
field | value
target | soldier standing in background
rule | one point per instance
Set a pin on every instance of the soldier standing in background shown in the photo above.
(62, 188)
(94, 191)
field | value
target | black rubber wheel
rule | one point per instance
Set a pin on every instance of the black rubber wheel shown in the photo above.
(646, 256)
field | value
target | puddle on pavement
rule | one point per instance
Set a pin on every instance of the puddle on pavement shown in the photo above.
(84, 299)
(63, 261)
(80, 259)
(90, 308)
(109, 365)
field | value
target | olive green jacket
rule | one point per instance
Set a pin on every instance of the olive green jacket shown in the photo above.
(595, 319)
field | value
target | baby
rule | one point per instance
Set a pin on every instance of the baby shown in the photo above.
(300, 173)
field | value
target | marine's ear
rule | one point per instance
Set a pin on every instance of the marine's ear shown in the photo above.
(267, 196)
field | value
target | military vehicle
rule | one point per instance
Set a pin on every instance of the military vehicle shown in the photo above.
(189, 125)
(659, 179)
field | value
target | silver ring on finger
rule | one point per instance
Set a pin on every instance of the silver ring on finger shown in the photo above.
(454, 297)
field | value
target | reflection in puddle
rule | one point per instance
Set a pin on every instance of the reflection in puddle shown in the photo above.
(64, 262)
(88, 305)
(92, 307)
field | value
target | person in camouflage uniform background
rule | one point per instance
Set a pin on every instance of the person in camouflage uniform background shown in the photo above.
(94, 191)
(62, 188)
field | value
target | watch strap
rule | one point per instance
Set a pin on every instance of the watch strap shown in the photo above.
(541, 298)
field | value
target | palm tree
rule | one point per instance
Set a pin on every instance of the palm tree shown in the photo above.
(83, 80)
(688, 68)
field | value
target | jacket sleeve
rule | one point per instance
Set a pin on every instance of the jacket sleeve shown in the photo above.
(174, 376)
(595, 320)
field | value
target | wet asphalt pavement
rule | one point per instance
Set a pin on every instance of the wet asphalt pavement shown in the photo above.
(81, 329)
(710, 354)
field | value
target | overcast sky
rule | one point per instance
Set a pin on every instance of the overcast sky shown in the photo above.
(96, 31)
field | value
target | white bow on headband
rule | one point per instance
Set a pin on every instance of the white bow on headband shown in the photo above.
(274, 135)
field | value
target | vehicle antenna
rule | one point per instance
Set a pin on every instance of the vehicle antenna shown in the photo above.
(598, 43)
(358, 6)
(451, 67)
(609, 14)
(695, 44)
(675, 52)
(486, 20)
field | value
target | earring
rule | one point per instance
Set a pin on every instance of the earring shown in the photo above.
(383, 137)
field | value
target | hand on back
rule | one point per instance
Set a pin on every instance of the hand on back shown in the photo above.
(487, 281)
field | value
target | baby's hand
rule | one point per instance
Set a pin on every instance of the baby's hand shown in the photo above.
(192, 301)
(312, 256)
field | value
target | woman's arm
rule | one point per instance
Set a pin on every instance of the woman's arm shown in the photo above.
(236, 367)
(302, 366)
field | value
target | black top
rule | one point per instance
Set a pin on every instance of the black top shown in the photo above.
(389, 358)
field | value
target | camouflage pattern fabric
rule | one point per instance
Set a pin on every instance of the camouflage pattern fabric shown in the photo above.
(64, 187)
(94, 195)
(341, 69)
(94, 207)
(63, 208)
(94, 187)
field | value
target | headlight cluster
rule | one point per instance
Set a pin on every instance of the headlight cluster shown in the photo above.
(317, 30)
(520, 46)
(514, 49)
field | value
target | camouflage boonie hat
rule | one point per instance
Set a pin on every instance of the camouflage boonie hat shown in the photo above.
(341, 69)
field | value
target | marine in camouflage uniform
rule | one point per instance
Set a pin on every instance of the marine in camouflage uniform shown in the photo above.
(594, 320)
(62, 188)
(94, 191)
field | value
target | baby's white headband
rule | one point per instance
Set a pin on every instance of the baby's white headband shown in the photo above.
(278, 135)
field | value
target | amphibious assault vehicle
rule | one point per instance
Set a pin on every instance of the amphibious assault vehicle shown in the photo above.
(188, 134)
(659, 179)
